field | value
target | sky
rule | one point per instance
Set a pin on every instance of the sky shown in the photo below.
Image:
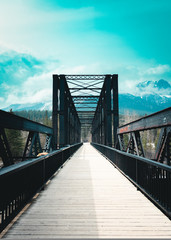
(39, 38)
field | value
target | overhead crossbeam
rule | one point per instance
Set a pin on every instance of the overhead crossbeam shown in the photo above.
(85, 77)
(85, 91)
(85, 97)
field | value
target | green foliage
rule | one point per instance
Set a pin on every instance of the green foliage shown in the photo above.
(15, 141)
(157, 136)
(44, 117)
(149, 138)
(47, 120)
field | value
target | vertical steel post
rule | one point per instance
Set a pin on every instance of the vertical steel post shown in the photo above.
(55, 115)
(5, 152)
(100, 109)
(62, 114)
(115, 107)
(108, 125)
(168, 147)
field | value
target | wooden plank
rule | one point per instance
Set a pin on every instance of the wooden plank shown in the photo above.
(89, 198)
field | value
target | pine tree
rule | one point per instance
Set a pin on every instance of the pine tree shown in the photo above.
(15, 141)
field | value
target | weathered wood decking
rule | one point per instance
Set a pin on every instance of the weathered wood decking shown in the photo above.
(89, 198)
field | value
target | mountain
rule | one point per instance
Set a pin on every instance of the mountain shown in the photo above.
(151, 96)
(29, 106)
(145, 104)
(159, 85)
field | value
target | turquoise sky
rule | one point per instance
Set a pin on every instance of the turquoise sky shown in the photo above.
(40, 37)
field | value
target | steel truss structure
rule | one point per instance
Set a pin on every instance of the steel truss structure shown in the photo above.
(85, 91)
(162, 120)
(106, 119)
(66, 123)
(77, 101)
(32, 147)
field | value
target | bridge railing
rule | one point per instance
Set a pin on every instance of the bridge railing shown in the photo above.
(159, 120)
(20, 182)
(33, 143)
(152, 178)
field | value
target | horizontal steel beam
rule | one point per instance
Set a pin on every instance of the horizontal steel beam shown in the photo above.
(85, 88)
(81, 112)
(155, 120)
(12, 121)
(86, 107)
(85, 77)
(87, 102)
(85, 96)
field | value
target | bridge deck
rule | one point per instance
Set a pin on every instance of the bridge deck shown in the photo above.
(89, 198)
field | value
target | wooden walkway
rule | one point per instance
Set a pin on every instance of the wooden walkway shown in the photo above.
(89, 198)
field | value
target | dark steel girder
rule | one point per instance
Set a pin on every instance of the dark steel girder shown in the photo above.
(85, 88)
(11, 121)
(152, 121)
(85, 77)
(85, 97)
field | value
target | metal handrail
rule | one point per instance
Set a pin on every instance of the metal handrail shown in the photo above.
(20, 182)
(152, 178)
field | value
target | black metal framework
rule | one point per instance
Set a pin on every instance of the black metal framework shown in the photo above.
(20, 182)
(66, 123)
(85, 91)
(162, 120)
(82, 95)
(106, 119)
(32, 147)
(152, 178)
(5, 152)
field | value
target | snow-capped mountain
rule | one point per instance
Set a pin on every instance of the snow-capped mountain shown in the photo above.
(151, 96)
(29, 106)
(145, 104)
(159, 85)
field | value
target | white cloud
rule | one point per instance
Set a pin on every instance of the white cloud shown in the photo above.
(22, 13)
(160, 69)
(38, 88)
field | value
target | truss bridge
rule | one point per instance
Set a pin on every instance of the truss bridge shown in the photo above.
(92, 177)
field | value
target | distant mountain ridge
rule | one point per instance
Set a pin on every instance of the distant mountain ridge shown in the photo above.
(161, 84)
(29, 106)
(151, 96)
(145, 104)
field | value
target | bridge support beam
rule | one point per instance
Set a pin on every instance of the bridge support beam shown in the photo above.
(33, 145)
(5, 152)
(163, 150)
(106, 119)
(66, 123)
(159, 120)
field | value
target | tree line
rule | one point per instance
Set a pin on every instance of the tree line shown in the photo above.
(44, 116)
(17, 139)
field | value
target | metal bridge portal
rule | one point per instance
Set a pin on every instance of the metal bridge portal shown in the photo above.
(85, 108)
